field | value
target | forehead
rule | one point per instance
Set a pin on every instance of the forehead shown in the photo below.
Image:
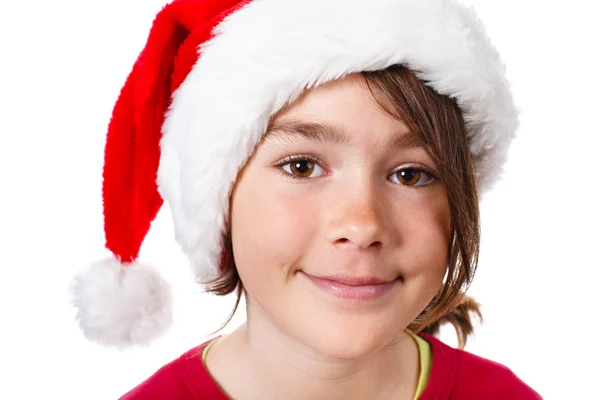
(342, 112)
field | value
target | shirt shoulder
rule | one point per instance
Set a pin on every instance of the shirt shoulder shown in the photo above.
(184, 378)
(458, 374)
(483, 378)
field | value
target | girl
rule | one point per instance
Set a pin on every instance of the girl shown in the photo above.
(325, 159)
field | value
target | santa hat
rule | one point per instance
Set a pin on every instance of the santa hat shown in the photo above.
(201, 95)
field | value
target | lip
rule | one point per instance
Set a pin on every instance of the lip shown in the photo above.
(353, 288)
(352, 280)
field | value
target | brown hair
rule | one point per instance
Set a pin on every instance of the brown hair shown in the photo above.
(439, 124)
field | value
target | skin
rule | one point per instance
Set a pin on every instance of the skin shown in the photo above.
(353, 215)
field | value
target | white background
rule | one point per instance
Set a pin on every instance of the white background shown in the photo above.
(62, 66)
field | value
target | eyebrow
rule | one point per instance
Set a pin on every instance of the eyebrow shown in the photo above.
(324, 133)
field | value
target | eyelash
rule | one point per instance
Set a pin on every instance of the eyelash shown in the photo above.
(314, 160)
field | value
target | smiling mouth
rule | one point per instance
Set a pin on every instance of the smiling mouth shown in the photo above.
(354, 280)
(354, 288)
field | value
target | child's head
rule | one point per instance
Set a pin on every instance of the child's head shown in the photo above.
(333, 189)
(397, 116)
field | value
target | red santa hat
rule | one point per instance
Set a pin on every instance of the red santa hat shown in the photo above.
(200, 97)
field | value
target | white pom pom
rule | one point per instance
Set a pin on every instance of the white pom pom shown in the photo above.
(120, 305)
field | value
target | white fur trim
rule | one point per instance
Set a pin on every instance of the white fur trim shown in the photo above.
(265, 54)
(120, 305)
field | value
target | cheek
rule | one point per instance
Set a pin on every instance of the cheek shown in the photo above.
(270, 231)
(426, 238)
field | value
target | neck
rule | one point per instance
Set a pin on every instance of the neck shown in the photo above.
(275, 364)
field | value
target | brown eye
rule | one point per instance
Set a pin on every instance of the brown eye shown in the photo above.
(412, 177)
(302, 168)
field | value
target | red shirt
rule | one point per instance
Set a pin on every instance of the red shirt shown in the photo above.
(455, 375)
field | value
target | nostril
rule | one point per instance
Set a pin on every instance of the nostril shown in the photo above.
(377, 244)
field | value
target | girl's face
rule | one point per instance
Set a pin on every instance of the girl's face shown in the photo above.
(338, 187)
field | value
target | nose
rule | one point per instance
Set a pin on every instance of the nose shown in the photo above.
(357, 218)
